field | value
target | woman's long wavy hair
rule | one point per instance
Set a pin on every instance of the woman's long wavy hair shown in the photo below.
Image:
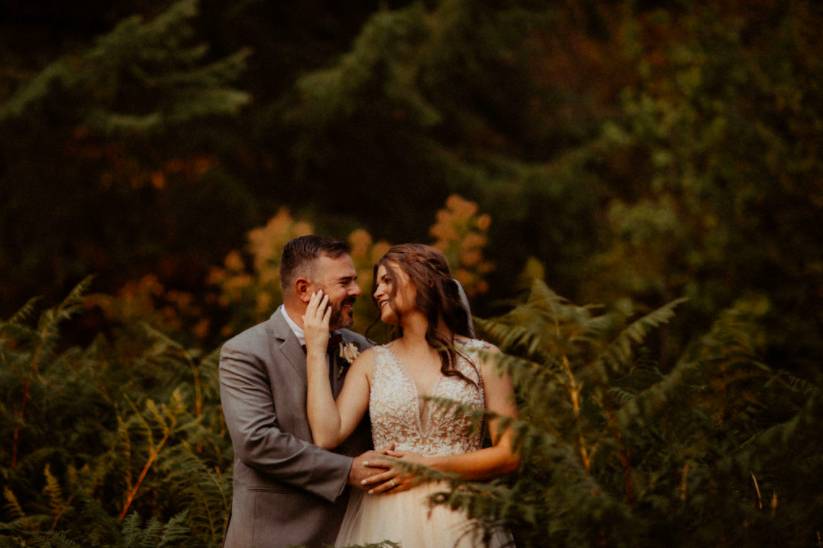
(438, 296)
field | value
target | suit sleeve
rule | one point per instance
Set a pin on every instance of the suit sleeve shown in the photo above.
(256, 436)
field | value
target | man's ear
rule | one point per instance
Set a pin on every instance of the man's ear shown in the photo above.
(302, 288)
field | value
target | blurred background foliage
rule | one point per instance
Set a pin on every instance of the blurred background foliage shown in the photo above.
(625, 152)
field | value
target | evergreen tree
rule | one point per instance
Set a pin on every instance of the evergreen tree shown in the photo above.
(104, 159)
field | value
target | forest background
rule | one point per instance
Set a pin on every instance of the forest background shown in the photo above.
(661, 160)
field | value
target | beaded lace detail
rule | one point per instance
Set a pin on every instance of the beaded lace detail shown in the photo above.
(400, 415)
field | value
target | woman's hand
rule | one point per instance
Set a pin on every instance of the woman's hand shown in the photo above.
(397, 478)
(316, 323)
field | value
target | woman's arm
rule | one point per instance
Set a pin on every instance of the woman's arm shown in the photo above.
(490, 462)
(247, 401)
(331, 421)
(500, 458)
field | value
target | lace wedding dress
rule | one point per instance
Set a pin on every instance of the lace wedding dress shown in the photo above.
(400, 416)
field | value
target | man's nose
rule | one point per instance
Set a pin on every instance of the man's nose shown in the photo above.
(355, 290)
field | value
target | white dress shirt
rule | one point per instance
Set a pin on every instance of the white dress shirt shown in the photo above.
(296, 329)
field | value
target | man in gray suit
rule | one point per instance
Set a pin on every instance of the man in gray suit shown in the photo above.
(287, 491)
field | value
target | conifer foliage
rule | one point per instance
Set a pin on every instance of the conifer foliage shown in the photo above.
(143, 76)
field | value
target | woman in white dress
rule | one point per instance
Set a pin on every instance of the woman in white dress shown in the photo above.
(434, 356)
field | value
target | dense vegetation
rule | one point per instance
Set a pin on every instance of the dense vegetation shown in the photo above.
(661, 158)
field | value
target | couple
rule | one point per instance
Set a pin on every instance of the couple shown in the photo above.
(284, 400)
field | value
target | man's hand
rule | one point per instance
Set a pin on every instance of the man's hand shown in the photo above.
(395, 478)
(368, 464)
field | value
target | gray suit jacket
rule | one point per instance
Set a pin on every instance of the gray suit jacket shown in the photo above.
(287, 491)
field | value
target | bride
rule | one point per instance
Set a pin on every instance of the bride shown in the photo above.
(434, 356)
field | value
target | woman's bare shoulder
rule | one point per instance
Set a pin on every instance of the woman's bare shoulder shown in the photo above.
(475, 344)
(365, 360)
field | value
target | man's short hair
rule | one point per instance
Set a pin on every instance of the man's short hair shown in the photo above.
(299, 253)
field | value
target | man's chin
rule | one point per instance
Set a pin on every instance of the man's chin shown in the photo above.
(343, 320)
(346, 321)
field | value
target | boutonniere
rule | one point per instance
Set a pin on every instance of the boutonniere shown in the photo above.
(349, 351)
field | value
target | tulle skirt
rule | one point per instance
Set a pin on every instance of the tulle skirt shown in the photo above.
(407, 519)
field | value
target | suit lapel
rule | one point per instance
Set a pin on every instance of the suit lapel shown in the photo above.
(284, 343)
(334, 372)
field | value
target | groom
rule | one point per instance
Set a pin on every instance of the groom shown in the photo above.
(287, 491)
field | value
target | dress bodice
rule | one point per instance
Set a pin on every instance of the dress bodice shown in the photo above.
(401, 416)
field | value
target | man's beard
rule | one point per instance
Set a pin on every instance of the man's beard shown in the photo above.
(338, 319)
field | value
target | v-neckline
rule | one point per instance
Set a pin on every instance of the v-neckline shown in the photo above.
(410, 378)
(418, 399)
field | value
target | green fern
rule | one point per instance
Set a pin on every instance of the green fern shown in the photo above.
(91, 419)
(13, 507)
(648, 450)
(26, 313)
(617, 446)
(619, 351)
(58, 505)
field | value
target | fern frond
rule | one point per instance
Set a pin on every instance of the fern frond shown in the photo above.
(25, 526)
(102, 529)
(543, 296)
(797, 384)
(74, 300)
(21, 334)
(26, 313)
(802, 433)
(155, 413)
(619, 352)
(511, 337)
(175, 531)
(124, 450)
(648, 402)
(57, 504)
(91, 476)
(12, 504)
(621, 395)
(525, 373)
(58, 539)
(164, 343)
(131, 532)
(138, 418)
(198, 487)
(598, 328)
(209, 371)
(153, 532)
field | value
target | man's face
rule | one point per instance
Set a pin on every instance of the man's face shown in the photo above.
(338, 279)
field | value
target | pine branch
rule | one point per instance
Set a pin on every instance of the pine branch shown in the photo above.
(150, 59)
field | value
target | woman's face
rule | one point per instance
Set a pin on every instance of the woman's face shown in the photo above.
(403, 300)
